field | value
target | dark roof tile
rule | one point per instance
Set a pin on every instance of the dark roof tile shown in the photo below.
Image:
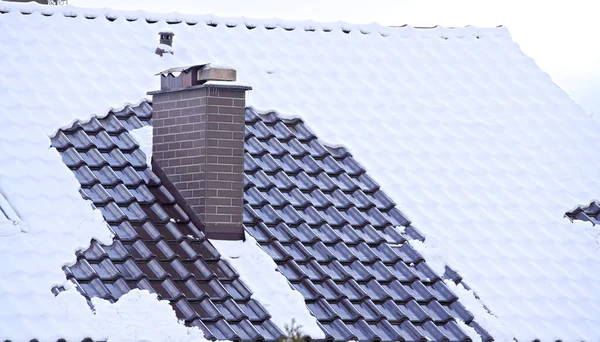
(323, 220)
(589, 213)
(156, 247)
(386, 331)
(322, 310)
(363, 330)
(338, 330)
(485, 336)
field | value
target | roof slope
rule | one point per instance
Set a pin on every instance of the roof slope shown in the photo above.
(156, 247)
(341, 241)
(333, 233)
(464, 131)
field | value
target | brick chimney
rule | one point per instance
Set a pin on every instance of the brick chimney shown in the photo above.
(198, 142)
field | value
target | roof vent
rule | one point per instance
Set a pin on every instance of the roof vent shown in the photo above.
(185, 77)
(166, 38)
(165, 43)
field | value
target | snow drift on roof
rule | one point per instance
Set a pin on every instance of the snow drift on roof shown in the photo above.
(10, 223)
(471, 139)
(277, 295)
(143, 136)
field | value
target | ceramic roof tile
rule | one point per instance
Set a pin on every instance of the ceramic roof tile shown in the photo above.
(458, 126)
(589, 213)
(332, 246)
(157, 247)
(333, 252)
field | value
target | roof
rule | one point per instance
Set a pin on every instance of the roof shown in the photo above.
(157, 247)
(333, 233)
(465, 133)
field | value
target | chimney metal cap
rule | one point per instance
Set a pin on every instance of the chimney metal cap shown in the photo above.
(189, 76)
(176, 71)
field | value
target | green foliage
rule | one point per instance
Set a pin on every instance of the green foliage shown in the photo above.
(294, 333)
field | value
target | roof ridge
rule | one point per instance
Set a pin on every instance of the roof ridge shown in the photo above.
(249, 23)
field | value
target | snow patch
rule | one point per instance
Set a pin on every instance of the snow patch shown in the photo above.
(8, 228)
(401, 229)
(593, 230)
(434, 252)
(164, 48)
(10, 224)
(143, 136)
(436, 255)
(7, 210)
(470, 331)
(140, 316)
(137, 316)
(255, 267)
(487, 321)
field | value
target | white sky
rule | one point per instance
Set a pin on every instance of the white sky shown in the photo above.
(562, 36)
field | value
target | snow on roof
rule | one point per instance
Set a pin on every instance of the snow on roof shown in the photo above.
(140, 316)
(277, 296)
(471, 139)
(143, 136)
(10, 223)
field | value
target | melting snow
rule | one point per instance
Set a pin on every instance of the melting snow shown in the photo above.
(492, 324)
(6, 210)
(143, 136)
(470, 331)
(434, 251)
(276, 294)
(164, 48)
(140, 316)
(137, 316)
(10, 224)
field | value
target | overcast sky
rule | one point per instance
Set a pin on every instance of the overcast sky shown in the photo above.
(562, 36)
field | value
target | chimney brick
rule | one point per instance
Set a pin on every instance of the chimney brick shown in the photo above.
(199, 144)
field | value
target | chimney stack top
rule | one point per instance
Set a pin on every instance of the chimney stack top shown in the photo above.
(185, 77)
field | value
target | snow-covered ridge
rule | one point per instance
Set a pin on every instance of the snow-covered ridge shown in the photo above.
(251, 24)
